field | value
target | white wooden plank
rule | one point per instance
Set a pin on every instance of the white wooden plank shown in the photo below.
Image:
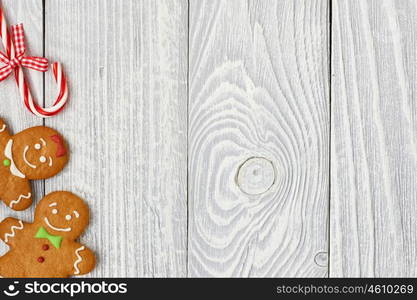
(374, 155)
(126, 124)
(258, 89)
(12, 109)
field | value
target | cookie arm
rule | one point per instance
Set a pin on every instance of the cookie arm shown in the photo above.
(9, 227)
(84, 260)
(18, 194)
(4, 131)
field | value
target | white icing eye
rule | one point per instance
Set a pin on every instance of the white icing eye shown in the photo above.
(42, 159)
(67, 217)
(54, 211)
(38, 146)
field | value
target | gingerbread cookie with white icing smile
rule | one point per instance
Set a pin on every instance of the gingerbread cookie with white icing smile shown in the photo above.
(35, 153)
(47, 247)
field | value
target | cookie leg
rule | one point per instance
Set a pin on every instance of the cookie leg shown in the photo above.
(18, 198)
(20, 202)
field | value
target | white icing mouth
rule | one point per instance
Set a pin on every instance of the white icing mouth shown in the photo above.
(56, 228)
(25, 159)
(8, 153)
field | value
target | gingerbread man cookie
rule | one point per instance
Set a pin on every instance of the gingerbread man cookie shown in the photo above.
(47, 247)
(35, 153)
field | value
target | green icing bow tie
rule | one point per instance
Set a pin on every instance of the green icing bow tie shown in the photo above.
(54, 239)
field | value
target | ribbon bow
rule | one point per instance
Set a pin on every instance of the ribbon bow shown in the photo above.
(17, 59)
(54, 239)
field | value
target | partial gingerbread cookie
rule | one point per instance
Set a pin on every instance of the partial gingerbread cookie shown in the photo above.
(47, 247)
(35, 153)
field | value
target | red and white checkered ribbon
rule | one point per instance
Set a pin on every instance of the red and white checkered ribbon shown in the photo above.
(15, 59)
(35, 63)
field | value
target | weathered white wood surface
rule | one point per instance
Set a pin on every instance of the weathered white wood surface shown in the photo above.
(258, 138)
(12, 109)
(257, 132)
(374, 155)
(126, 124)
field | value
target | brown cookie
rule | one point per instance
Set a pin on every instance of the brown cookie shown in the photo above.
(35, 153)
(47, 247)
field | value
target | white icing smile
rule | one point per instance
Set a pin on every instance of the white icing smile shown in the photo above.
(56, 228)
(8, 153)
(25, 159)
(42, 159)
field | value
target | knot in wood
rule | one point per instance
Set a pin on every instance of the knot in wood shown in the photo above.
(256, 176)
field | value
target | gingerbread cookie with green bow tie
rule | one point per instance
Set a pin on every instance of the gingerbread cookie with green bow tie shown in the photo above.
(47, 247)
(35, 153)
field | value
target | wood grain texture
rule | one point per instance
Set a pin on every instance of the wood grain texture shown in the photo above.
(12, 109)
(258, 96)
(374, 155)
(126, 124)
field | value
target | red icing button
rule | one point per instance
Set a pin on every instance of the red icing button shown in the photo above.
(41, 259)
(45, 247)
